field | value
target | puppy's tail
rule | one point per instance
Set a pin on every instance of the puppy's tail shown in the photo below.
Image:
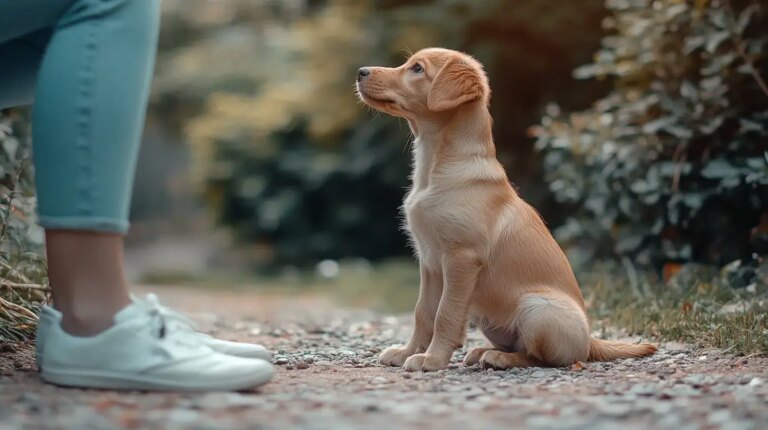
(606, 350)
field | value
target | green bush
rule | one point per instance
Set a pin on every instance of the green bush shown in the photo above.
(670, 166)
(306, 203)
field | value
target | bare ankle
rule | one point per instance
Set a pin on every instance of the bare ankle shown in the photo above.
(87, 274)
(79, 320)
(89, 327)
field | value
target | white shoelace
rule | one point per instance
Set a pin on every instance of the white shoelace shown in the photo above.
(169, 314)
(168, 324)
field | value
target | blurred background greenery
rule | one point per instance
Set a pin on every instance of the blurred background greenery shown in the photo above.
(285, 156)
(636, 127)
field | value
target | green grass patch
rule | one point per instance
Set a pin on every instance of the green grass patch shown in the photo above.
(703, 314)
(741, 332)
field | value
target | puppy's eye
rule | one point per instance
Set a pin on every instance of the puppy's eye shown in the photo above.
(416, 68)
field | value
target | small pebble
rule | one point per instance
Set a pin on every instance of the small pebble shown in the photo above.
(379, 380)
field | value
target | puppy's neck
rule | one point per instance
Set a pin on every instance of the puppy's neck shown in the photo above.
(460, 135)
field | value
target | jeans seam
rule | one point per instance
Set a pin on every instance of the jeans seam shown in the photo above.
(85, 123)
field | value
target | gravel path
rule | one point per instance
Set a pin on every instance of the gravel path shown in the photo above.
(327, 379)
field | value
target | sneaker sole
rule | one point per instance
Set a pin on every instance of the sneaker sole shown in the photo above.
(123, 381)
(261, 355)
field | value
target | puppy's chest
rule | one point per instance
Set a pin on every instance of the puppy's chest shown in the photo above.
(421, 212)
(426, 222)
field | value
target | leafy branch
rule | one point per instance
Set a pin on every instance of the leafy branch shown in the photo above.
(740, 44)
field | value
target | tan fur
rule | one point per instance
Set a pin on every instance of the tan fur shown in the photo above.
(484, 253)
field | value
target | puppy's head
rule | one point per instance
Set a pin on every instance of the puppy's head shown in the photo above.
(432, 81)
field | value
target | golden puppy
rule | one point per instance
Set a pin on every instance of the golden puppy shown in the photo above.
(484, 253)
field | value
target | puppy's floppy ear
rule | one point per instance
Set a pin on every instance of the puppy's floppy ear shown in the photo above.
(455, 84)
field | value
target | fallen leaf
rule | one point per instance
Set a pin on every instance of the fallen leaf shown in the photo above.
(686, 307)
(578, 366)
(670, 270)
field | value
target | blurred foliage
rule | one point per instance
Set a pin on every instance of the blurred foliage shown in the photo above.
(671, 165)
(23, 270)
(287, 156)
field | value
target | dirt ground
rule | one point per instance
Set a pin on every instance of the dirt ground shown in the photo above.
(327, 378)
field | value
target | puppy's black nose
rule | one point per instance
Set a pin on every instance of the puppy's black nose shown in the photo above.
(363, 72)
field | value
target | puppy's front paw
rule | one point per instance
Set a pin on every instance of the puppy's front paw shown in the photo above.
(394, 356)
(424, 362)
(473, 356)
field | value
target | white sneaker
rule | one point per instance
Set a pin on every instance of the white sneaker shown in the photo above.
(50, 316)
(142, 351)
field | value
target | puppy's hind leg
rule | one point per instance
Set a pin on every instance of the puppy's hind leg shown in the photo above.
(474, 354)
(507, 360)
(553, 328)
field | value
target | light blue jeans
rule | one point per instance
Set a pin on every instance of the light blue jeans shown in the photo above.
(87, 65)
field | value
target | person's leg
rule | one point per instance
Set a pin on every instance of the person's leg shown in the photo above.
(91, 62)
(86, 263)
(91, 97)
